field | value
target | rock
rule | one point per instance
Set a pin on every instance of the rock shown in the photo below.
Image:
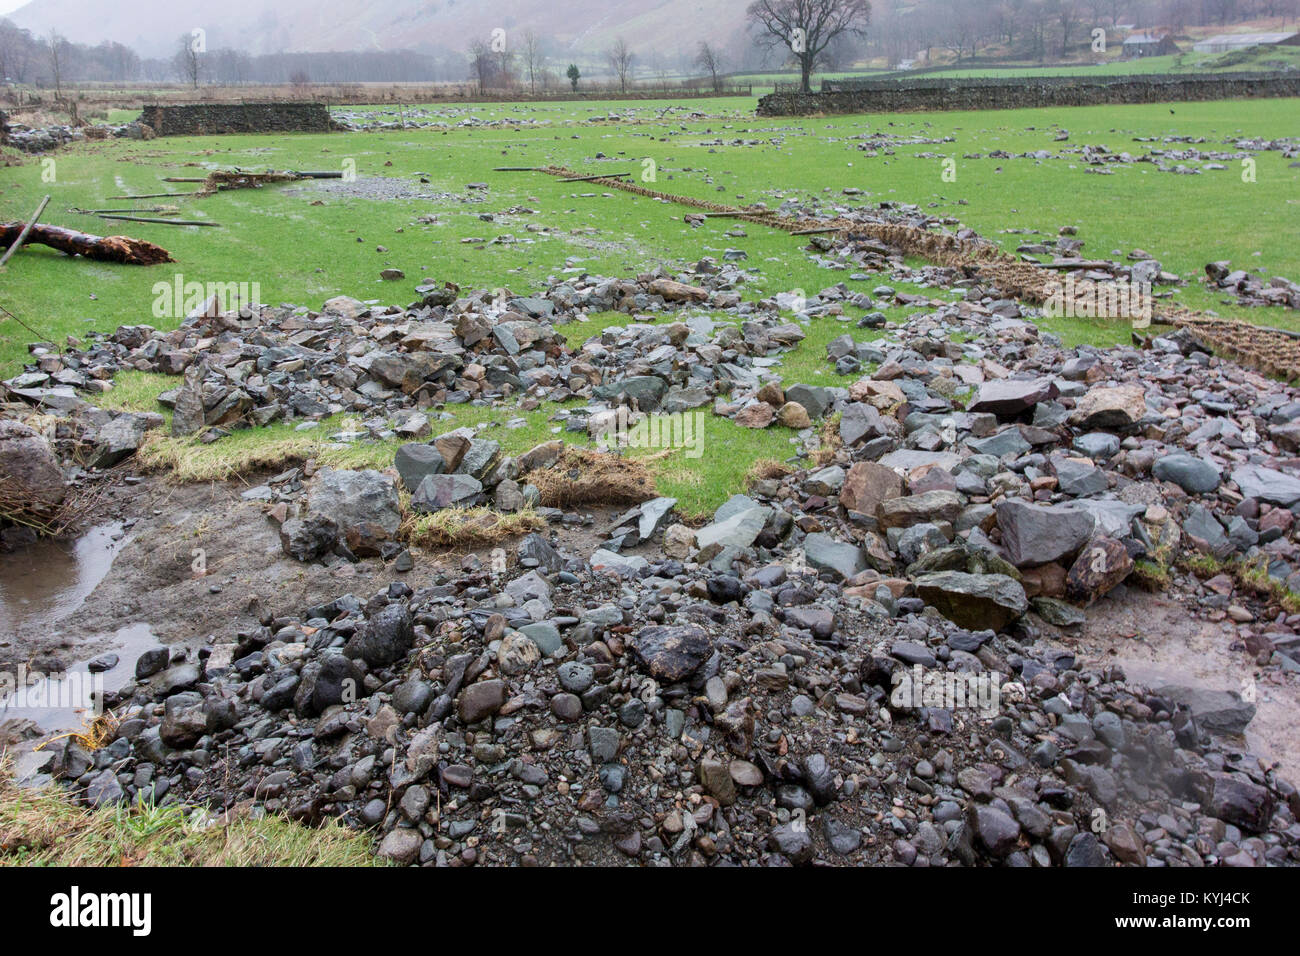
(825, 553)
(481, 700)
(310, 538)
(974, 601)
(116, 441)
(1103, 564)
(814, 399)
(415, 462)
(996, 831)
(793, 415)
(1038, 534)
(363, 504)
(517, 654)
(677, 291)
(642, 391)
(1265, 484)
(792, 841)
(1196, 476)
(737, 531)
(1218, 711)
(188, 413)
(757, 415)
(1235, 799)
(104, 789)
(716, 780)
(867, 484)
(1119, 407)
(400, 845)
(27, 461)
(385, 638)
(436, 492)
(1009, 397)
(184, 720)
(930, 506)
(151, 662)
(671, 653)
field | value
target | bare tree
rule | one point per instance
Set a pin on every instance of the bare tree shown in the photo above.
(807, 27)
(480, 64)
(709, 60)
(620, 61)
(187, 61)
(56, 43)
(534, 59)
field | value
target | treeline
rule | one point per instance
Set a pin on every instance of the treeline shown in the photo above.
(53, 61)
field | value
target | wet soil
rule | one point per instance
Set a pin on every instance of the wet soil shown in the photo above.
(1157, 641)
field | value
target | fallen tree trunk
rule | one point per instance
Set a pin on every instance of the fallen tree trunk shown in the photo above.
(22, 236)
(124, 249)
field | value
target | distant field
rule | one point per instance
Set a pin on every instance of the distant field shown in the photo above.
(1259, 58)
(306, 243)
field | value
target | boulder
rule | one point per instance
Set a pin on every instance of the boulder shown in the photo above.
(1120, 406)
(363, 504)
(28, 464)
(975, 601)
(1008, 397)
(1037, 534)
(671, 653)
(867, 484)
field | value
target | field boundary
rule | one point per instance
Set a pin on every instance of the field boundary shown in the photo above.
(989, 93)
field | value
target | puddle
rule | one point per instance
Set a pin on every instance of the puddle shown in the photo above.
(66, 701)
(40, 586)
(44, 583)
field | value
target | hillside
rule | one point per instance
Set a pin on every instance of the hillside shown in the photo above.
(588, 27)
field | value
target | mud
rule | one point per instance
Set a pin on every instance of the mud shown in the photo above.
(1157, 641)
(181, 565)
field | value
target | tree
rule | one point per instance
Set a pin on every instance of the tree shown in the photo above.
(709, 60)
(480, 63)
(573, 73)
(620, 61)
(56, 44)
(187, 61)
(807, 27)
(534, 59)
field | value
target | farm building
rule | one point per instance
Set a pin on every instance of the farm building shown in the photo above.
(1224, 42)
(1148, 44)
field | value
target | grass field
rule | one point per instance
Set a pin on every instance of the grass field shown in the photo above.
(306, 243)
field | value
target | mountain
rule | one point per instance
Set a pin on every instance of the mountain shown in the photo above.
(583, 27)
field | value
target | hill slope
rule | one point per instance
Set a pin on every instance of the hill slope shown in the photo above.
(152, 27)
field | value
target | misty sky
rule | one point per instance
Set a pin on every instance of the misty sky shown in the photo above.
(8, 6)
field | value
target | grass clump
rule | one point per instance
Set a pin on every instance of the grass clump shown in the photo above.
(583, 477)
(45, 827)
(467, 527)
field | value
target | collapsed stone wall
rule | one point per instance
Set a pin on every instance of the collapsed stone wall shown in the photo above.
(897, 96)
(204, 119)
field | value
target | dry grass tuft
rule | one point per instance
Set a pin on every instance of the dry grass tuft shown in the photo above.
(466, 527)
(583, 477)
(766, 469)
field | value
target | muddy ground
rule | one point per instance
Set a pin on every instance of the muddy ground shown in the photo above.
(186, 562)
(133, 580)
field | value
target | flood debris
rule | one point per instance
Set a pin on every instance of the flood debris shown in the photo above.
(123, 249)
